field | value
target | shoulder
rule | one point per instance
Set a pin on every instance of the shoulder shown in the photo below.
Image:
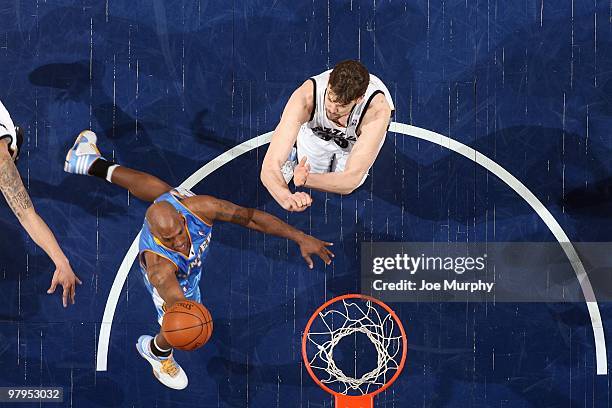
(301, 103)
(5, 154)
(304, 94)
(378, 108)
(203, 206)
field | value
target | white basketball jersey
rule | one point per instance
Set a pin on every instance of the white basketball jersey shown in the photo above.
(324, 128)
(7, 130)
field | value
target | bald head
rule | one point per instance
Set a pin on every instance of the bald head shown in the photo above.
(164, 220)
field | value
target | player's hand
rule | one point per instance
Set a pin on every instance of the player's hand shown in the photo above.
(311, 246)
(65, 277)
(301, 172)
(297, 202)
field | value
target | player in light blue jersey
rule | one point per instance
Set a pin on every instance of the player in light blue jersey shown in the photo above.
(174, 241)
(188, 266)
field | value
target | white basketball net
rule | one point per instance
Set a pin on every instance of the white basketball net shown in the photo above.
(366, 319)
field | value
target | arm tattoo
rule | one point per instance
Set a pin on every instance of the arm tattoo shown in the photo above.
(225, 212)
(12, 188)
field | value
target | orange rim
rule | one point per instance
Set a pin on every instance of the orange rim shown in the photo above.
(339, 396)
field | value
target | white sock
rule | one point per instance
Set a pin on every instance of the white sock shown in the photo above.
(159, 348)
(109, 175)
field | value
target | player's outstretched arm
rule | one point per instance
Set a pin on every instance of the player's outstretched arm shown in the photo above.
(214, 209)
(162, 275)
(297, 111)
(373, 131)
(20, 203)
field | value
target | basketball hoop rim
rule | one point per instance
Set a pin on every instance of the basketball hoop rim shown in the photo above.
(379, 303)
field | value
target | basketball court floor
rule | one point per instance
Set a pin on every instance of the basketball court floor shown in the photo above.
(171, 85)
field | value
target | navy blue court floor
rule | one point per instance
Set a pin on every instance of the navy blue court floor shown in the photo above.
(169, 85)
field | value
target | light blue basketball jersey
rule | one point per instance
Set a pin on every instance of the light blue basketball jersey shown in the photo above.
(189, 269)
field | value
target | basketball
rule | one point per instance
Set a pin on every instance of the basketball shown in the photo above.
(187, 325)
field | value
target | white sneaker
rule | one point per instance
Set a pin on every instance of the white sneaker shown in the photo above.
(82, 154)
(288, 167)
(166, 370)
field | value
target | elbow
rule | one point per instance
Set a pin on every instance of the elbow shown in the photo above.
(345, 190)
(158, 279)
(353, 182)
(263, 175)
(266, 173)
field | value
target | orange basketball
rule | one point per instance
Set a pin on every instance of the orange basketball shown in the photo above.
(187, 325)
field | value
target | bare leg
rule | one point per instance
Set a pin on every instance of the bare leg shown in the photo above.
(142, 185)
(85, 158)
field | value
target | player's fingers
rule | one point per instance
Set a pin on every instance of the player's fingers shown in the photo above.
(72, 293)
(330, 253)
(290, 201)
(303, 161)
(323, 255)
(300, 199)
(304, 198)
(53, 286)
(65, 295)
(303, 201)
(308, 260)
(78, 280)
(295, 202)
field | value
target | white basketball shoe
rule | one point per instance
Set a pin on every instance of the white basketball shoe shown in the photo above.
(82, 154)
(165, 369)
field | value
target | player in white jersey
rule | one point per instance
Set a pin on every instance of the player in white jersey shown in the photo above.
(339, 120)
(18, 199)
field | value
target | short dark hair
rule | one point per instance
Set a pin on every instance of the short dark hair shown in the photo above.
(348, 81)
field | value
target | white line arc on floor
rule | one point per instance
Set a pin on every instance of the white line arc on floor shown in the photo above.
(408, 130)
